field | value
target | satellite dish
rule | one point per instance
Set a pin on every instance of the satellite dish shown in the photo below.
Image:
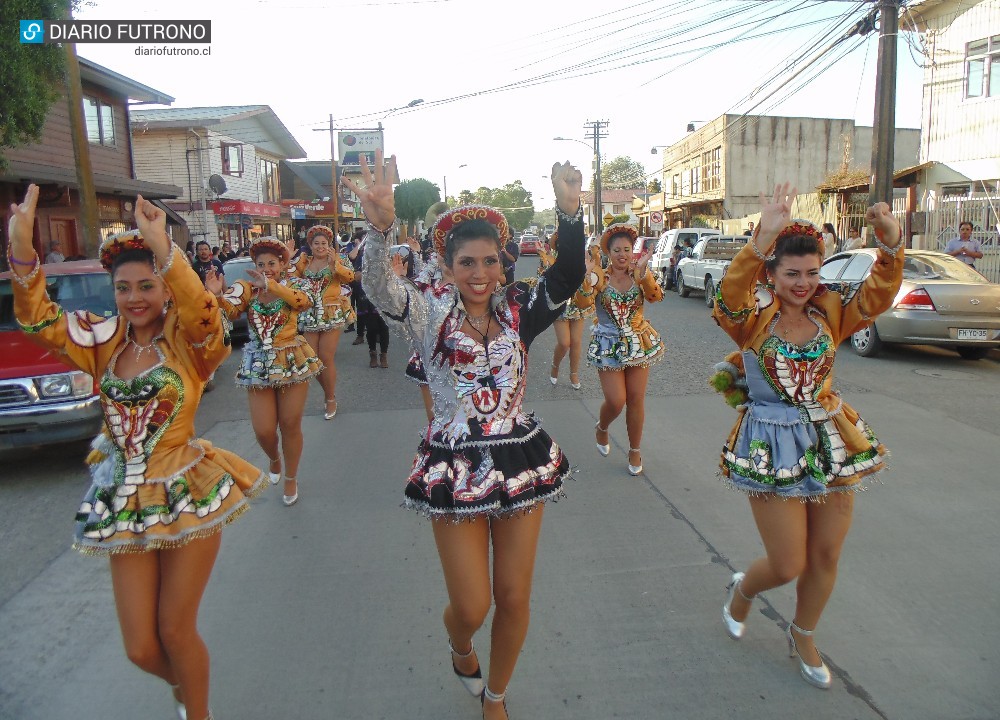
(217, 184)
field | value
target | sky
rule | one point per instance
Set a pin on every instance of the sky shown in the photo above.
(499, 81)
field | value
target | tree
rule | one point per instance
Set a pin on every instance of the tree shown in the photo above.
(653, 186)
(512, 199)
(623, 172)
(32, 76)
(414, 198)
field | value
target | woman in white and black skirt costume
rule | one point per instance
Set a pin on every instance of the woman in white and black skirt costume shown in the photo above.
(483, 459)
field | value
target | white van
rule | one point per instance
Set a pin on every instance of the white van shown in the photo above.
(662, 261)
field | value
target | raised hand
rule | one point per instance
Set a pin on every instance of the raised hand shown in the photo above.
(152, 223)
(377, 199)
(776, 213)
(643, 261)
(398, 265)
(593, 259)
(257, 279)
(20, 229)
(886, 226)
(567, 183)
(213, 281)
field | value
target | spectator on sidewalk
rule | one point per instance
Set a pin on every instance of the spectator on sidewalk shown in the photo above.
(965, 247)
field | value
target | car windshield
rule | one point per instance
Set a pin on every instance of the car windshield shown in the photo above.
(928, 267)
(89, 291)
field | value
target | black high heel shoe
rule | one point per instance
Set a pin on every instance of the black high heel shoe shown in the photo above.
(493, 697)
(473, 681)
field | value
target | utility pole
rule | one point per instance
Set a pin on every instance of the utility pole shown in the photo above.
(81, 152)
(335, 197)
(884, 130)
(596, 130)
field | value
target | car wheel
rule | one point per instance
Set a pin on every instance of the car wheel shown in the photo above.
(709, 292)
(682, 289)
(972, 353)
(866, 342)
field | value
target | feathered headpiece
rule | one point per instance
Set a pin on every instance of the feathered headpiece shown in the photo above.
(319, 230)
(618, 229)
(115, 245)
(448, 220)
(269, 244)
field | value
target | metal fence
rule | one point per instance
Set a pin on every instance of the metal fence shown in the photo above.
(979, 209)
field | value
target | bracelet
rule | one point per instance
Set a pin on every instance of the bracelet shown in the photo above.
(23, 263)
(576, 217)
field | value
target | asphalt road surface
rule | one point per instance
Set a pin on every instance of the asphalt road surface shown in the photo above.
(331, 609)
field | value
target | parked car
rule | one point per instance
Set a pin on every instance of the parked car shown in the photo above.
(942, 301)
(529, 244)
(43, 400)
(236, 269)
(706, 265)
(664, 258)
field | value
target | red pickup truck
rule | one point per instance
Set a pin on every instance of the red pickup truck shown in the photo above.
(42, 400)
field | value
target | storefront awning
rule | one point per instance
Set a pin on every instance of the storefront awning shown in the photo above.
(245, 207)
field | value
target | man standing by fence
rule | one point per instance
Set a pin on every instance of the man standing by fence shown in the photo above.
(964, 247)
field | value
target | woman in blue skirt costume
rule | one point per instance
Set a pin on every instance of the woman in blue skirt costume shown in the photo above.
(795, 440)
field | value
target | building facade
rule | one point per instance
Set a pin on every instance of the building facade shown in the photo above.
(226, 160)
(717, 171)
(51, 164)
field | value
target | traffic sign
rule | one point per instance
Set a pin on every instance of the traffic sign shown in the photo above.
(608, 218)
(656, 217)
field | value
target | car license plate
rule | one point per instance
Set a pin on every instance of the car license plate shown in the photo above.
(973, 334)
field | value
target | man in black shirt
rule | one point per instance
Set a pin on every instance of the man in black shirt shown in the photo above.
(203, 261)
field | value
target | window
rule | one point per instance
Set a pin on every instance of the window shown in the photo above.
(711, 169)
(100, 119)
(695, 180)
(675, 186)
(268, 174)
(232, 159)
(982, 68)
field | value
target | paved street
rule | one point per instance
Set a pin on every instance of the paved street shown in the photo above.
(331, 608)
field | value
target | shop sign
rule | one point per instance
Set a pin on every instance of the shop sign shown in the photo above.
(352, 144)
(244, 207)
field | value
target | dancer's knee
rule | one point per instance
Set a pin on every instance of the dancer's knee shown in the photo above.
(145, 654)
(470, 613)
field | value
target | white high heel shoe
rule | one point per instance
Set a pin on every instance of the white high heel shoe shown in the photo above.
(273, 477)
(473, 681)
(554, 378)
(290, 500)
(734, 627)
(815, 676)
(605, 450)
(634, 469)
(178, 705)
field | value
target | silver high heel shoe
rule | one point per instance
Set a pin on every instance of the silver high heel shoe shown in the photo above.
(290, 500)
(473, 682)
(330, 415)
(815, 676)
(554, 379)
(634, 469)
(605, 450)
(178, 705)
(273, 477)
(734, 627)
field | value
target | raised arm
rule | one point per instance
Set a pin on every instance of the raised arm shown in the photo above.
(563, 278)
(397, 299)
(594, 281)
(83, 340)
(877, 292)
(735, 299)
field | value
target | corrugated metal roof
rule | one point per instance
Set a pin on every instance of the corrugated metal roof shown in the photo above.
(215, 114)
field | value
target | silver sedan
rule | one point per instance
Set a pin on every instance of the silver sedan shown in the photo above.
(942, 301)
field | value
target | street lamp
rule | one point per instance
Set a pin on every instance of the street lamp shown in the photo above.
(412, 103)
(653, 150)
(445, 198)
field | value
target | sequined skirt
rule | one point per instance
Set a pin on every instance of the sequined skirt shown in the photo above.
(158, 514)
(498, 476)
(275, 367)
(774, 450)
(612, 348)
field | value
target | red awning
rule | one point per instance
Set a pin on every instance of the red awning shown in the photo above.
(244, 207)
